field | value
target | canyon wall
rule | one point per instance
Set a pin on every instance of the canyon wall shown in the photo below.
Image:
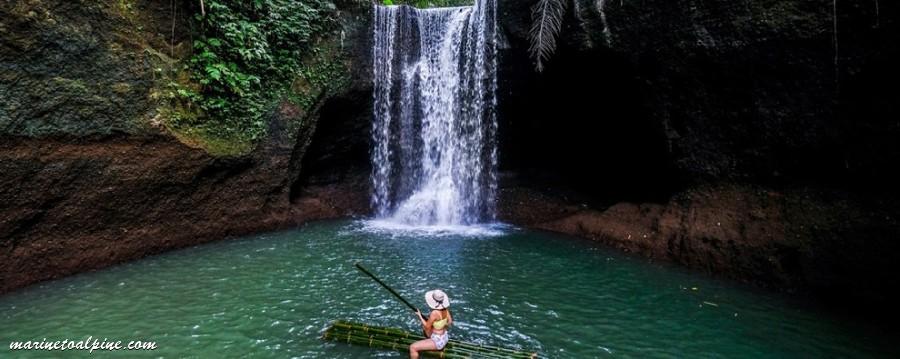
(90, 175)
(750, 139)
(746, 139)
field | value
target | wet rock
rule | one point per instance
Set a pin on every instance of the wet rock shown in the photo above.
(827, 243)
(89, 179)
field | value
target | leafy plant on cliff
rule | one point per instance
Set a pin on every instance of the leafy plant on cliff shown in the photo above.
(246, 57)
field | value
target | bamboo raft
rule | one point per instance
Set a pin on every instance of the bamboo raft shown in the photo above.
(399, 340)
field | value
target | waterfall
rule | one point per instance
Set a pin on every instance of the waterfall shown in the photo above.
(435, 154)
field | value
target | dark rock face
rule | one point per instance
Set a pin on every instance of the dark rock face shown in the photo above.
(743, 138)
(715, 90)
(792, 239)
(71, 207)
(338, 148)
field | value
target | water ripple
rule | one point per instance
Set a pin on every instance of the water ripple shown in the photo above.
(272, 296)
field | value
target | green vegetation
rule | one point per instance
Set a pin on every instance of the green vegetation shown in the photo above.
(249, 55)
(429, 3)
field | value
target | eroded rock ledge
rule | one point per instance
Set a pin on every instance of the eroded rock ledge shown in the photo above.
(69, 207)
(812, 241)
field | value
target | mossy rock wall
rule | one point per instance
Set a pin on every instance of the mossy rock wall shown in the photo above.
(82, 68)
(91, 173)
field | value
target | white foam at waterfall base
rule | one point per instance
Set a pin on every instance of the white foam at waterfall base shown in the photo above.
(434, 158)
(398, 229)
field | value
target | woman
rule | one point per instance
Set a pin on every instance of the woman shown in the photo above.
(436, 326)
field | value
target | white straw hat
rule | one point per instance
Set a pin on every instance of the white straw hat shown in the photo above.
(437, 299)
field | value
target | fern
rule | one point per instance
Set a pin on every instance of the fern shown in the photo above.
(547, 16)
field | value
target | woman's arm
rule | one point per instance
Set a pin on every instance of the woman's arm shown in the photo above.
(426, 324)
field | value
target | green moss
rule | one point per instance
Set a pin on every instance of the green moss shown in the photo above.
(121, 88)
(126, 9)
(323, 73)
(274, 60)
(422, 4)
(75, 86)
(213, 141)
(246, 57)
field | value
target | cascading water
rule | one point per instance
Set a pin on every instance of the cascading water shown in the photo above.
(435, 154)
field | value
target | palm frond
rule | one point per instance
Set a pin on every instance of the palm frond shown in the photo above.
(546, 16)
(585, 34)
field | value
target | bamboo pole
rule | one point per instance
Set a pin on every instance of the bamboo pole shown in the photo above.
(389, 289)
